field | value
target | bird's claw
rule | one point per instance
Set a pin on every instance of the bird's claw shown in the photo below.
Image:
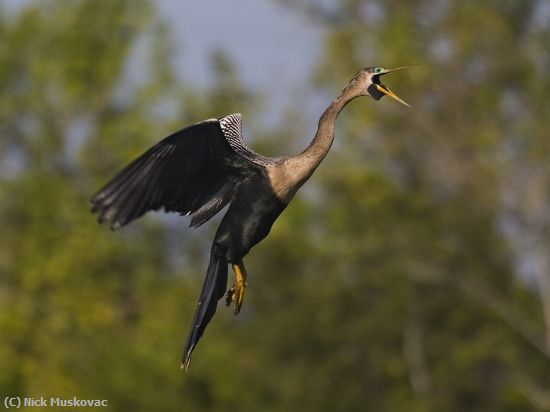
(236, 294)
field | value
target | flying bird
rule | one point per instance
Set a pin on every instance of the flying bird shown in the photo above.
(202, 168)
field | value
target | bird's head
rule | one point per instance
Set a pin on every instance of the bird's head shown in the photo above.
(369, 84)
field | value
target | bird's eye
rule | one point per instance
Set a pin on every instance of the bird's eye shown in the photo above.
(378, 70)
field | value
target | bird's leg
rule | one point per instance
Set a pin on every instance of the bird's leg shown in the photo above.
(236, 293)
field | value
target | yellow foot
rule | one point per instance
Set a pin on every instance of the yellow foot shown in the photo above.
(236, 293)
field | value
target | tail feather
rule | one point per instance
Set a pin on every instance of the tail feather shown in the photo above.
(213, 290)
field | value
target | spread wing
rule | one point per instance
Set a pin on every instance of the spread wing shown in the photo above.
(193, 171)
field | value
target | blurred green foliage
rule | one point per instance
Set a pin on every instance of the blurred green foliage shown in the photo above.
(395, 280)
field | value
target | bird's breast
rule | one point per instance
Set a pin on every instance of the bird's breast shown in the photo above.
(286, 178)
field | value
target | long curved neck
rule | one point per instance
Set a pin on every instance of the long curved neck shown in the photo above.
(288, 177)
(319, 146)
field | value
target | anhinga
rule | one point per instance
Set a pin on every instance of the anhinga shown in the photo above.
(207, 166)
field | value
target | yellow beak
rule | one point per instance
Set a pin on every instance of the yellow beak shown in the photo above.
(397, 68)
(391, 94)
(387, 91)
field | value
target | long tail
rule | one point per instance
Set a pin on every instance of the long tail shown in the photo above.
(213, 290)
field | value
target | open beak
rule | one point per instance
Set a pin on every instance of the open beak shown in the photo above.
(388, 92)
(386, 71)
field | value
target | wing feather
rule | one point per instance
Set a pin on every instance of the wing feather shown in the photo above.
(194, 170)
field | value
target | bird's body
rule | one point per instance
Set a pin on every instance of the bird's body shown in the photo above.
(253, 210)
(203, 168)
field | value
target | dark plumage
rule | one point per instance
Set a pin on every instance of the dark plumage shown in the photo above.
(202, 168)
(193, 171)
